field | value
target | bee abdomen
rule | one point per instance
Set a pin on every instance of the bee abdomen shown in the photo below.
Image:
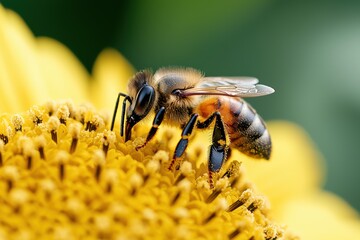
(249, 133)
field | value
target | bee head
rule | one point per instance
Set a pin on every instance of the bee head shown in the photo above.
(143, 98)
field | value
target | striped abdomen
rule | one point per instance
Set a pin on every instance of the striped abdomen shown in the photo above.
(246, 129)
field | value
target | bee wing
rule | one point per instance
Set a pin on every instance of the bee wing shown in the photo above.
(228, 86)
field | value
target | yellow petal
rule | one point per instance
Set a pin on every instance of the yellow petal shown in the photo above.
(294, 169)
(65, 77)
(111, 73)
(21, 80)
(320, 216)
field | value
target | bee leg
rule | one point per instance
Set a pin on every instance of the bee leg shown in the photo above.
(182, 144)
(156, 123)
(219, 148)
(127, 98)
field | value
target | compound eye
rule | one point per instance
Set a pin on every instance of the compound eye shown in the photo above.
(144, 100)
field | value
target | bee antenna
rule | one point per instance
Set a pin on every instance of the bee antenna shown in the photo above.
(127, 98)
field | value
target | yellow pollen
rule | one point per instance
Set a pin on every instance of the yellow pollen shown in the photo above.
(100, 187)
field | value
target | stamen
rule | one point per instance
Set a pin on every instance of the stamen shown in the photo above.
(221, 205)
(161, 156)
(234, 233)
(4, 138)
(18, 121)
(63, 113)
(185, 170)
(61, 158)
(26, 146)
(71, 107)
(53, 125)
(48, 186)
(270, 232)
(243, 199)
(220, 186)
(233, 170)
(18, 198)
(257, 203)
(51, 107)
(74, 130)
(135, 182)
(11, 174)
(99, 159)
(95, 123)
(36, 114)
(110, 177)
(5, 131)
(40, 142)
(109, 137)
(183, 187)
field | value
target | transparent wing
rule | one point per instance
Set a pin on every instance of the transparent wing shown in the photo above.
(228, 86)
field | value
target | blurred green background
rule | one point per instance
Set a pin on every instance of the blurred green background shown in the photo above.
(309, 51)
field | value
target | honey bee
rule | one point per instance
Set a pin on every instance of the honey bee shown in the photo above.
(185, 97)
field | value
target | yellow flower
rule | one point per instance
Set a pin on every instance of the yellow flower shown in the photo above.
(64, 175)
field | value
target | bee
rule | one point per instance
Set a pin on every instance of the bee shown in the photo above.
(185, 97)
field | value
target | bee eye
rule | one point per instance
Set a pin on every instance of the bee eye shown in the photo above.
(144, 100)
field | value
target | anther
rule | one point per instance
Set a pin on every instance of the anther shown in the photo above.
(99, 159)
(51, 107)
(74, 130)
(4, 138)
(257, 203)
(53, 125)
(233, 170)
(270, 232)
(36, 114)
(18, 121)
(95, 123)
(63, 113)
(243, 199)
